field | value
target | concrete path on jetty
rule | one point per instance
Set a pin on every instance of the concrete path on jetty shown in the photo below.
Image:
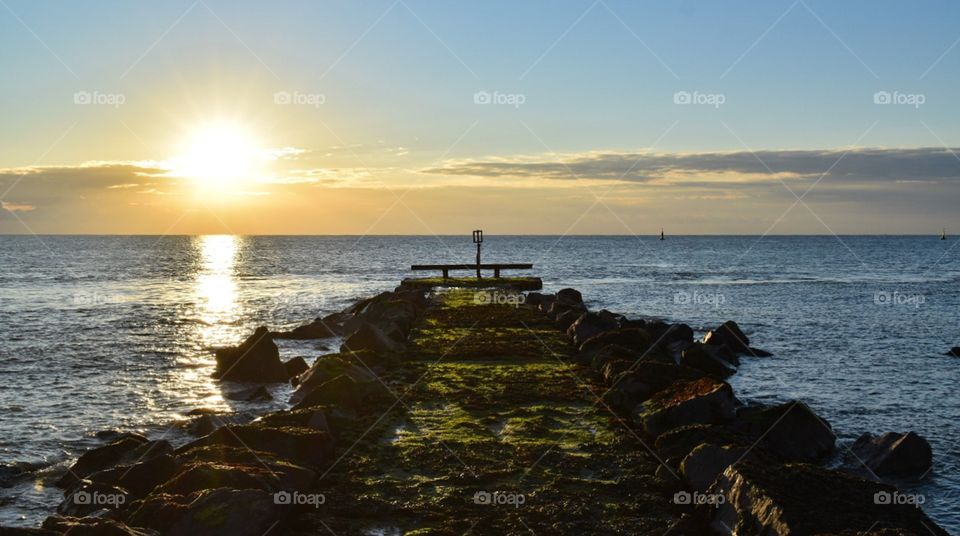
(488, 427)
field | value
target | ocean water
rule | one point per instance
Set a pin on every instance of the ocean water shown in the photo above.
(115, 333)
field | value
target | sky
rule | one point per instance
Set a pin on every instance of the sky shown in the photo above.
(438, 117)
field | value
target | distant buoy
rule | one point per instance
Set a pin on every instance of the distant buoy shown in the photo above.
(661, 235)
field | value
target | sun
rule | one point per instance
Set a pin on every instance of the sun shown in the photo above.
(219, 156)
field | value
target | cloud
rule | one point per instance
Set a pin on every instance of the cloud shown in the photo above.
(698, 169)
(17, 207)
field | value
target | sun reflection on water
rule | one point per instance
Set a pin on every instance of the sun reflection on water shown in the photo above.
(216, 288)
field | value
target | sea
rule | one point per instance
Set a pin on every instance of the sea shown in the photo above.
(100, 334)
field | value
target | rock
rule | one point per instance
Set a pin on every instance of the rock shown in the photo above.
(88, 497)
(217, 512)
(248, 394)
(648, 378)
(894, 454)
(806, 499)
(139, 478)
(372, 338)
(301, 445)
(567, 317)
(569, 297)
(681, 441)
(756, 352)
(536, 299)
(89, 526)
(318, 329)
(702, 466)
(128, 449)
(202, 476)
(341, 391)
(295, 367)
(708, 359)
(314, 418)
(728, 334)
(703, 401)
(790, 431)
(954, 352)
(589, 324)
(635, 339)
(325, 369)
(664, 334)
(257, 359)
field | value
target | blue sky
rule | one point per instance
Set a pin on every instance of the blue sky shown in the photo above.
(398, 81)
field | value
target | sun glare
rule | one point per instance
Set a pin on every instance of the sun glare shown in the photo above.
(219, 156)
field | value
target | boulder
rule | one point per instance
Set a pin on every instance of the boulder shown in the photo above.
(589, 324)
(200, 476)
(954, 352)
(708, 359)
(646, 379)
(706, 462)
(681, 441)
(790, 431)
(318, 329)
(139, 478)
(295, 367)
(807, 499)
(894, 454)
(129, 448)
(247, 394)
(636, 339)
(536, 299)
(88, 497)
(85, 526)
(371, 338)
(569, 297)
(729, 335)
(664, 334)
(325, 369)
(567, 317)
(341, 391)
(300, 445)
(703, 401)
(217, 512)
(257, 359)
